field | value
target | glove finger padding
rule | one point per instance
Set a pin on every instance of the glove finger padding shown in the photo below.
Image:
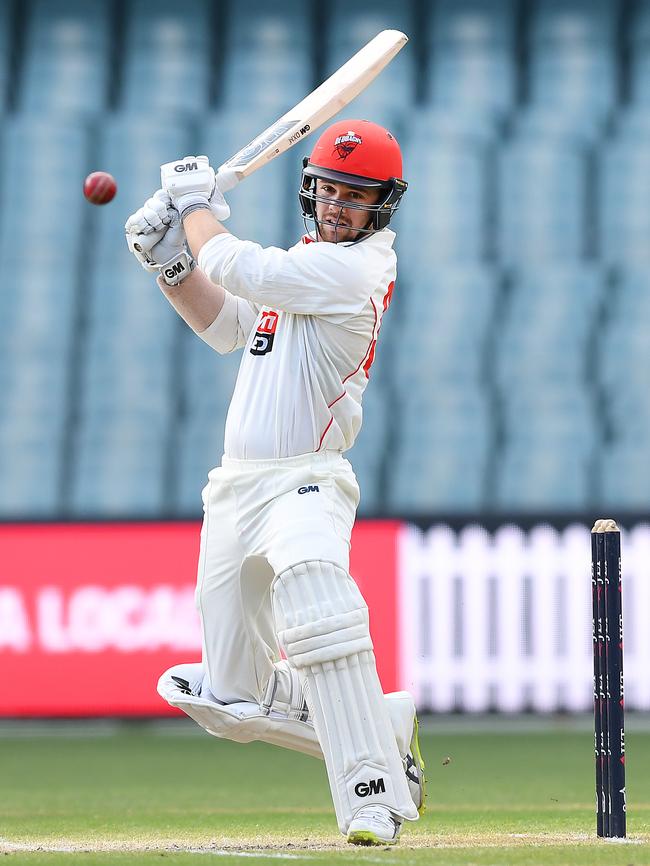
(152, 216)
(171, 243)
(141, 245)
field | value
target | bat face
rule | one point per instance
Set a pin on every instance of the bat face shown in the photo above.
(315, 109)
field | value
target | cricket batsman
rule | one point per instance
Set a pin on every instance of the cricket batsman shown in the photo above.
(273, 567)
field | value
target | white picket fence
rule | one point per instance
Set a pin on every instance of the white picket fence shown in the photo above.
(502, 621)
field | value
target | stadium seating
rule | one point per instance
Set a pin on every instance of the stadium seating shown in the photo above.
(471, 55)
(541, 193)
(268, 57)
(66, 57)
(348, 28)
(623, 190)
(623, 354)
(37, 310)
(126, 388)
(168, 56)
(444, 216)
(510, 370)
(572, 45)
(6, 35)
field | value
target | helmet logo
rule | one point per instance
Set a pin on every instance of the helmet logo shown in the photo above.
(345, 144)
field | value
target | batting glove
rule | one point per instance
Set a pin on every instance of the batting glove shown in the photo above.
(191, 185)
(155, 236)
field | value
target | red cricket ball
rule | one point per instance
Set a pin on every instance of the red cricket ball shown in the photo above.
(100, 187)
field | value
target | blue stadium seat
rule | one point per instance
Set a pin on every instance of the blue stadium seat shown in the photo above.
(622, 359)
(120, 471)
(31, 474)
(132, 148)
(472, 55)
(624, 476)
(269, 61)
(167, 56)
(543, 476)
(56, 151)
(368, 454)
(199, 449)
(441, 451)
(623, 350)
(126, 401)
(350, 27)
(542, 186)
(207, 378)
(443, 218)
(206, 383)
(539, 121)
(640, 26)
(66, 57)
(6, 35)
(572, 60)
(638, 47)
(546, 327)
(624, 187)
(445, 321)
(37, 316)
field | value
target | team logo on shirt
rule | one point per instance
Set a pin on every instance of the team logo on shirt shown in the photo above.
(345, 144)
(263, 339)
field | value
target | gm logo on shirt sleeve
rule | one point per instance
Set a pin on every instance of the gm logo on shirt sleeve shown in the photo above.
(263, 339)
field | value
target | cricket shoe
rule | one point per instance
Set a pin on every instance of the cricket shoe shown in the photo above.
(374, 825)
(404, 720)
(414, 769)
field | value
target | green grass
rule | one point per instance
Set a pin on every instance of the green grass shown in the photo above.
(139, 796)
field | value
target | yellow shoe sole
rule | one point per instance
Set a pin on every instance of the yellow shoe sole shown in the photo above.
(366, 837)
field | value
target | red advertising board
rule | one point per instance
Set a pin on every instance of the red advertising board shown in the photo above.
(91, 614)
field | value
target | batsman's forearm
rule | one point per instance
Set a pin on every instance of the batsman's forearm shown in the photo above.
(200, 226)
(196, 299)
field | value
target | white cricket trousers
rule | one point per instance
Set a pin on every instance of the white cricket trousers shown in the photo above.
(260, 518)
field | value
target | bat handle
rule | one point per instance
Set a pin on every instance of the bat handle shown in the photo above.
(226, 179)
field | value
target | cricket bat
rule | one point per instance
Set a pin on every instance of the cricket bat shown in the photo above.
(322, 104)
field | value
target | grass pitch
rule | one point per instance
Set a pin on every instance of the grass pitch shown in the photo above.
(146, 794)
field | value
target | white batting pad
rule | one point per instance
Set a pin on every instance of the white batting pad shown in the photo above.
(280, 722)
(322, 623)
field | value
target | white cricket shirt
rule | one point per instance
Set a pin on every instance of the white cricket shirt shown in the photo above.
(308, 319)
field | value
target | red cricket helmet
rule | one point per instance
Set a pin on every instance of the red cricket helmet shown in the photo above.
(358, 153)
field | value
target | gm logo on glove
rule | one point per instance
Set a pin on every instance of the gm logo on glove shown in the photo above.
(187, 166)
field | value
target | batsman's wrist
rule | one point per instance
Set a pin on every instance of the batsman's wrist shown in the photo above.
(187, 204)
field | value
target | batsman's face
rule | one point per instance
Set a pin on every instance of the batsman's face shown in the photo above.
(338, 222)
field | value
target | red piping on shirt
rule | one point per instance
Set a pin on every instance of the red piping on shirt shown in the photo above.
(324, 432)
(372, 337)
(337, 399)
(370, 350)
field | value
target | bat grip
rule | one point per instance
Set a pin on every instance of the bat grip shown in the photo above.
(226, 179)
